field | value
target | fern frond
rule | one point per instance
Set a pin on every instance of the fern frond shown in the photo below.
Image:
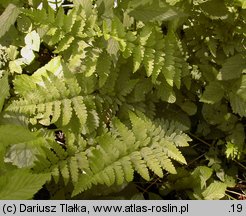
(58, 98)
(57, 27)
(4, 89)
(67, 162)
(123, 151)
(66, 111)
(55, 173)
(165, 162)
(64, 44)
(152, 161)
(103, 68)
(56, 111)
(169, 66)
(173, 152)
(93, 120)
(159, 62)
(92, 56)
(69, 20)
(119, 173)
(63, 167)
(166, 93)
(80, 109)
(140, 165)
(149, 60)
(74, 169)
(138, 54)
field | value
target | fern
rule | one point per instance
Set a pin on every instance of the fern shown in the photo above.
(116, 156)
(4, 89)
(103, 68)
(46, 103)
(66, 163)
(57, 27)
(113, 80)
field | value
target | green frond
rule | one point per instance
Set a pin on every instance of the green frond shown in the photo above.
(164, 161)
(55, 173)
(53, 99)
(138, 127)
(142, 89)
(80, 109)
(51, 156)
(119, 173)
(152, 161)
(181, 140)
(127, 168)
(109, 176)
(93, 120)
(172, 151)
(69, 20)
(103, 68)
(57, 27)
(138, 54)
(128, 50)
(42, 163)
(158, 64)
(66, 111)
(140, 165)
(145, 34)
(160, 55)
(127, 136)
(149, 60)
(53, 36)
(56, 111)
(90, 92)
(64, 44)
(4, 89)
(74, 169)
(119, 153)
(58, 149)
(169, 66)
(92, 55)
(24, 84)
(63, 167)
(65, 161)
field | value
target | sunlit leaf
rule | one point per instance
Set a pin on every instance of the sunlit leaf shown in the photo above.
(32, 41)
(8, 18)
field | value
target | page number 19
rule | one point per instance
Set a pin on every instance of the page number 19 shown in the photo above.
(236, 208)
